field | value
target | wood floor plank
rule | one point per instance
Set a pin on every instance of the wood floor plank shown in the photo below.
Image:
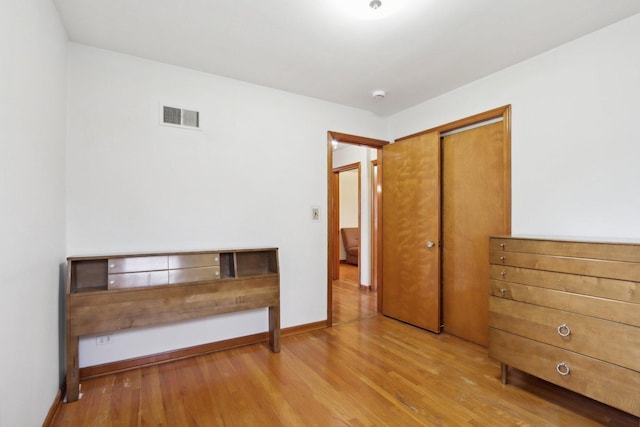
(151, 412)
(371, 372)
(352, 303)
(348, 273)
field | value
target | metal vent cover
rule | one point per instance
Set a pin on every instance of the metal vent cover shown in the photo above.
(190, 118)
(171, 115)
(174, 116)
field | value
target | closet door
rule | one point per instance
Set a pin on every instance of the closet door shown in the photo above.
(411, 230)
(474, 206)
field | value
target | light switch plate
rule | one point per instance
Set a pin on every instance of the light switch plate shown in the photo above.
(315, 213)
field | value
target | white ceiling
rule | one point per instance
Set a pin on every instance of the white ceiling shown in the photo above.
(340, 50)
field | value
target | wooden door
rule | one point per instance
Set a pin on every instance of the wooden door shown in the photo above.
(411, 231)
(473, 207)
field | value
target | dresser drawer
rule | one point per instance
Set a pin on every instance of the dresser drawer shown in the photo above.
(601, 339)
(133, 264)
(621, 270)
(592, 250)
(608, 383)
(136, 280)
(620, 290)
(190, 275)
(194, 260)
(601, 308)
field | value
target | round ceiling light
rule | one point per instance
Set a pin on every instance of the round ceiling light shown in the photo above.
(374, 10)
(378, 94)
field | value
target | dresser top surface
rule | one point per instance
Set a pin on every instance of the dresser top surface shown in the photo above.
(573, 239)
(150, 254)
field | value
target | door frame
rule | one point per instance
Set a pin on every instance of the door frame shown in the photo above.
(331, 201)
(375, 181)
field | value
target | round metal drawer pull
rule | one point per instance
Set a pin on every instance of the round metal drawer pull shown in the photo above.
(502, 245)
(503, 258)
(503, 273)
(564, 330)
(563, 369)
(502, 291)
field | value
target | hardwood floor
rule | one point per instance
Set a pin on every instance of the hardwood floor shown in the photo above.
(350, 302)
(348, 273)
(371, 372)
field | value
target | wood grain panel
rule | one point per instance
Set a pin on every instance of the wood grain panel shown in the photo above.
(142, 263)
(123, 309)
(136, 280)
(411, 218)
(588, 267)
(191, 275)
(620, 290)
(596, 250)
(583, 304)
(473, 209)
(194, 260)
(601, 339)
(611, 384)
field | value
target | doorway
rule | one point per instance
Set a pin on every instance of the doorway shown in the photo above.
(347, 183)
(351, 300)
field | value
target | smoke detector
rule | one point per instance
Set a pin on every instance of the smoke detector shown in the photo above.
(378, 94)
(374, 4)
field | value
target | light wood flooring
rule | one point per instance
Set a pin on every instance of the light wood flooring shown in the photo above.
(370, 372)
(348, 273)
(351, 302)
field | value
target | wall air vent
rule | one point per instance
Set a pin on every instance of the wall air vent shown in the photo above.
(173, 116)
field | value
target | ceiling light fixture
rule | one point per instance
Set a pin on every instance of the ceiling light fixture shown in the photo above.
(373, 10)
(378, 94)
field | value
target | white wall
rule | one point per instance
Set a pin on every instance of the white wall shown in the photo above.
(575, 133)
(248, 179)
(32, 232)
(349, 198)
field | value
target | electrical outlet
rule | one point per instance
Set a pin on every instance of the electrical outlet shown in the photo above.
(104, 340)
(315, 213)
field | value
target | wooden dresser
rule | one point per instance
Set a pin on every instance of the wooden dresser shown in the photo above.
(115, 292)
(568, 312)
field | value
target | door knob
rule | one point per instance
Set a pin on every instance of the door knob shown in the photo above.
(430, 244)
